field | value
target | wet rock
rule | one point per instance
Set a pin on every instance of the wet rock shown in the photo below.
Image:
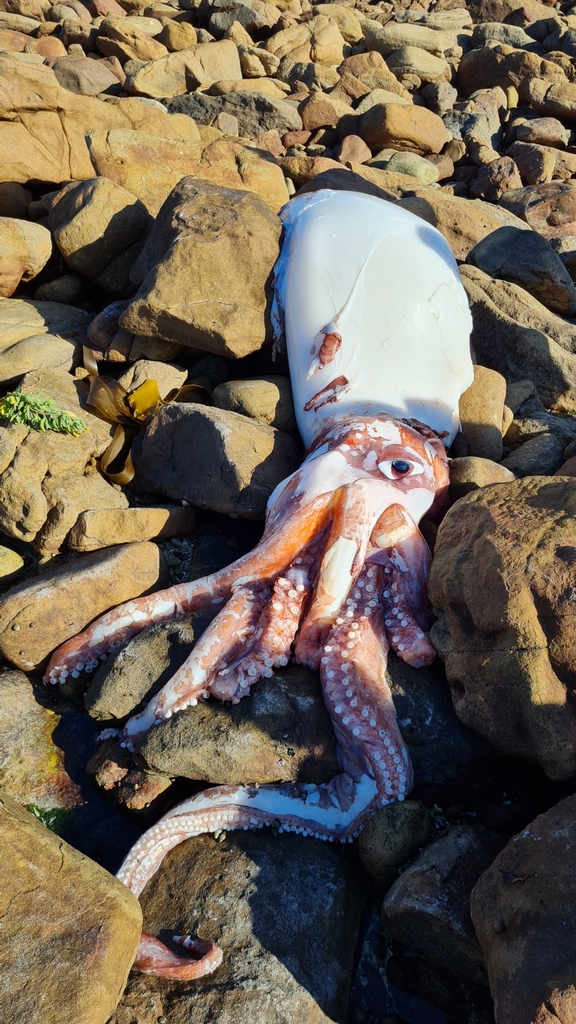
(530, 261)
(280, 733)
(96, 225)
(205, 270)
(516, 335)
(35, 335)
(215, 459)
(392, 837)
(32, 765)
(501, 583)
(541, 455)
(463, 222)
(481, 410)
(428, 907)
(25, 248)
(405, 127)
(283, 909)
(523, 909)
(100, 529)
(255, 112)
(42, 613)
(468, 473)
(266, 399)
(55, 898)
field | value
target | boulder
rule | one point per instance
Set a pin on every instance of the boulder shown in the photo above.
(428, 907)
(413, 60)
(101, 528)
(469, 472)
(405, 127)
(542, 455)
(528, 260)
(25, 249)
(55, 898)
(516, 335)
(186, 69)
(481, 412)
(215, 459)
(524, 913)
(494, 179)
(34, 335)
(84, 76)
(256, 112)
(550, 209)
(96, 225)
(282, 907)
(385, 39)
(149, 167)
(463, 222)
(501, 584)
(266, 399)
(501, 65)
(61, 602)
(392, 837)
(205, 270)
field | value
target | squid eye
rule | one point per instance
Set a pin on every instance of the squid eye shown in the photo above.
(397, 469)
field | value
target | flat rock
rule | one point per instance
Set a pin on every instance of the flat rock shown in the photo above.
(428, 907)
(54, 898)
(39, 335)
(215, 459)
(43, 612)
(524, 911)
(516, 335)
(280, 733)
(31, 765)
(266, 399)
(149, 167)
(99, 529)
(256, 112)
(501, 584)
(285, 911)
(205, 270)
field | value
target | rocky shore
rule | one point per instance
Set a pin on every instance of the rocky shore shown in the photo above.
(145, 152)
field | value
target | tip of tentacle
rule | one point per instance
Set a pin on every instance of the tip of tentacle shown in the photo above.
(153, 957)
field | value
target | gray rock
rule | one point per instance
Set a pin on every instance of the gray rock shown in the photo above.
(527, 259)
(440, 97)
(281, 732)
(540, 456)
(256, 112)
(428, 907)
(215, 459)
(286, 911)
(511, 35)
(525, 426)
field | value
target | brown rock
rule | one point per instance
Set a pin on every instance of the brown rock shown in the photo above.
(99, 529)
(32, 769)
(500, 65)
(55, 898)
(494, 179)
(25, 248)
(501, 584)
(524, 910)
(567, 468)
(10, 40)
(186, 69)
(536, 164)
(178, 35)
(149, 167)
(463, 222)
(84, 76)
(126, 785)
(353, 149)
(321, 111)
(556, 98)
(302, 169)
(35, 335)
(67, 497)
(481, 409)
(266, 399)
(118, 38)
(427, 908)
(49, 46)
(94, 224)
(544, 131)
(14, 200)
(63, 601)
(516, 335)
(549, 209)
(415, 129)
(541, 455)
(392, 837)
(468, 473)
(212, 295)
(228, 462)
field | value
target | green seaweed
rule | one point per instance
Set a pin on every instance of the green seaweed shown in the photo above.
(39, 413)
(53, 818)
